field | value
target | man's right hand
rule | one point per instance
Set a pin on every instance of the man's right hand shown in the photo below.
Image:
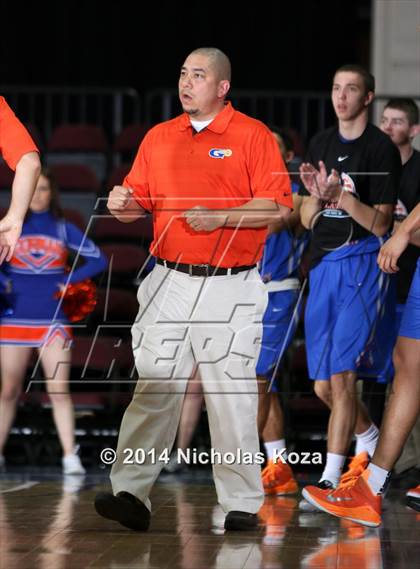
(122, 204)
(119, 199)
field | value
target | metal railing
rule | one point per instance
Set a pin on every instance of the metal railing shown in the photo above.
(307, 112)
(113, 108)
(47, 107)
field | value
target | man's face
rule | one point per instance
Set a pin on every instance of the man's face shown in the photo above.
(200, 90)
(348, 95)
(394, 123)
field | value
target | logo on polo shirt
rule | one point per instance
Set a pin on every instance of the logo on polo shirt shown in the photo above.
(220, 153)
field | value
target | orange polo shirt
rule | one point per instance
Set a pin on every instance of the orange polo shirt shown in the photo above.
(15, 140)
(227, 164)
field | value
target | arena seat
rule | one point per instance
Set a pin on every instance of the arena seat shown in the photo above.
(79, 187)
(125, 263)
(116, 305)
(117, 175)
(75, 217)
(108, 228)
(127, 142)
(79, 144)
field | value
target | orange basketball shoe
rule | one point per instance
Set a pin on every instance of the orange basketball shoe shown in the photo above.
(353, 501)
(413, 498)
(277, 478)
(276, 514)
(357, 465)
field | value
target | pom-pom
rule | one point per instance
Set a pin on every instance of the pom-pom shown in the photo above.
(79, 299)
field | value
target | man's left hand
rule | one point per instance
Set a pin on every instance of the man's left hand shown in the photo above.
(391, 251)
(201, 218)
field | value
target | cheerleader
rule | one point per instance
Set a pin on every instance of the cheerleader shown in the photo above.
(31, 280)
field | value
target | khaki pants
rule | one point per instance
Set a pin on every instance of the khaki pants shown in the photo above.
(213, 323)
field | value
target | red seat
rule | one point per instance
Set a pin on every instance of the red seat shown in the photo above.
(125, 258)
(130, 138)
(101, 353)
(78, 138)
(79, 144)
(108, 228)
(117, 175)
(75, 217)
(116, 305)
(75, 177)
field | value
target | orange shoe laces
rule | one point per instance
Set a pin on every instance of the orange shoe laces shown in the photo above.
(356, 467)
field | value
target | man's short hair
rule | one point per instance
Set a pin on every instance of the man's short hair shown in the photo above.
(408, 106)
(218, 60)
(368, 78)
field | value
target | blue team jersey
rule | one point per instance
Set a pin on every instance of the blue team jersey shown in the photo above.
(282, 253)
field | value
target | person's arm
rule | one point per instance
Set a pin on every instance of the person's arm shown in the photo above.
(131, 200)
(415, 238)
(311, 205)
(327, 188)
(123, 206)
(407, 232)
(377, 218)
(293, 223)
(94, 261)
(21, 154)
(253, 214)
(26, 176)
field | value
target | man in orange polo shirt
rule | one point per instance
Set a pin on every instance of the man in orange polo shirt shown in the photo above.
(21, 154)
(213, 179)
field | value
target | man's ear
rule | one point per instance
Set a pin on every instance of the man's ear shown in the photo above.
(289, 156)
(414, 130)
(369, 98)
(223, 88)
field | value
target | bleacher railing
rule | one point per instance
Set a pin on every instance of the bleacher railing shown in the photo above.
(113, 108)
(47, 107)
(306, 111)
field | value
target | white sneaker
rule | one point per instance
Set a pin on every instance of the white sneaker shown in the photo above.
(72, 483)
(72, 464)
(174, 465)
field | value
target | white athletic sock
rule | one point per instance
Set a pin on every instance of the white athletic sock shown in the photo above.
(333, 468)
(274, 449)
(368, 440)
(377, 478)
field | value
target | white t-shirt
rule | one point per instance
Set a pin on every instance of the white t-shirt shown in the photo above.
(199, 125)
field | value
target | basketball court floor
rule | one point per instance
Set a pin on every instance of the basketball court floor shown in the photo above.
(47, 521)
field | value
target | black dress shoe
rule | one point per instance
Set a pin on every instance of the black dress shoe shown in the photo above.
(241, 521)
(124, 508)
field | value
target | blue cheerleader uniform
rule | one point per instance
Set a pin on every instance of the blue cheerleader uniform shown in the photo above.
(36, 271)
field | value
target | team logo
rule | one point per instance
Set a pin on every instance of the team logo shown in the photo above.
(331, 209)
(220, 153)
(36, 254)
